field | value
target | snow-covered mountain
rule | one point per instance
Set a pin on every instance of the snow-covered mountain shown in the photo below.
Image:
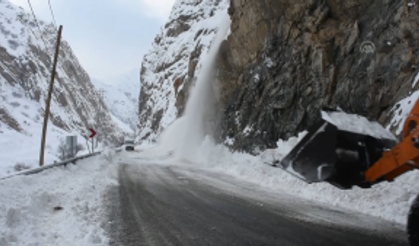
(121, 96)
(25, 65)
(170, 67)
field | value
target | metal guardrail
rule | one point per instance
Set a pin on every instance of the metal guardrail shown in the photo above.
(62, 163)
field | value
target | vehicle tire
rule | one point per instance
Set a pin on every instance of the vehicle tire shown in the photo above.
(413, 223)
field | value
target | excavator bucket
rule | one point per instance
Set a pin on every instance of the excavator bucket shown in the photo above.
(339, 149)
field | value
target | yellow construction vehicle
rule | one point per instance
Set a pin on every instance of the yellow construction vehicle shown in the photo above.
(348, 150)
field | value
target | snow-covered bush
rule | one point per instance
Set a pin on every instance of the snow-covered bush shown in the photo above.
(20, 166)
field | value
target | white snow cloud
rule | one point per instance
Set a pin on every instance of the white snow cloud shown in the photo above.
(158, 8)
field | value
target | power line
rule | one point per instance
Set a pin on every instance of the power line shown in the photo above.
(34, 34)
(41, 33)
(37, 24)
(52, 12)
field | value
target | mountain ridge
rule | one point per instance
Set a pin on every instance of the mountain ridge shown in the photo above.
(26, 51)
(120, 94)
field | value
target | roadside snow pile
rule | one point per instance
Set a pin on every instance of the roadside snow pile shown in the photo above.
(390, 201)
(60, 206)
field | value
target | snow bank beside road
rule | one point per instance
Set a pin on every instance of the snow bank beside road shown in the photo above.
(59, 206)
(390, 201)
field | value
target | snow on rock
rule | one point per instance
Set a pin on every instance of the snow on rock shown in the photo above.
(169, 68)
(415, 80)
(13, 33)
(357, 124)
(401, 111)
(59, 206)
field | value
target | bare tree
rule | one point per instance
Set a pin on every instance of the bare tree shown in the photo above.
(61, 149)
(80, 147)
(20, 166)
(88, 145)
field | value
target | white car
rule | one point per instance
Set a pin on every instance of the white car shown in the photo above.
(129, 145)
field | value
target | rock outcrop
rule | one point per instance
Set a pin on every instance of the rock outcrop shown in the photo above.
(285, 60)
(282, 62)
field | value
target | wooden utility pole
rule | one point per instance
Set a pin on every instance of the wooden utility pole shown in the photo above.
(48, 103)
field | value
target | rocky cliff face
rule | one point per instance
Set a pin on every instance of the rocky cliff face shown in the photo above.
(286, 60)
(171, 65)
(283, 61)
(25, 68)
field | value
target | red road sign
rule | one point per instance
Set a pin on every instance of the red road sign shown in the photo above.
(93, 133)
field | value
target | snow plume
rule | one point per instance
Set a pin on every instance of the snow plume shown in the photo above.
(187, 133)
(173, 63)
(201, 104)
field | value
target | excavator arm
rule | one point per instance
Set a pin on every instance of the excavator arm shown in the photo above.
(403, 157)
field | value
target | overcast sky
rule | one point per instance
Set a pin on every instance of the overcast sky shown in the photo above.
(109, 37)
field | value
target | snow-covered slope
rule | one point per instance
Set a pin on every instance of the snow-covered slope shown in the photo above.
(25, 64)
(171, 65)
(121, 96)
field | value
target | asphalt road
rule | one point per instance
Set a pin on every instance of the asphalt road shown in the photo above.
(169, 205)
